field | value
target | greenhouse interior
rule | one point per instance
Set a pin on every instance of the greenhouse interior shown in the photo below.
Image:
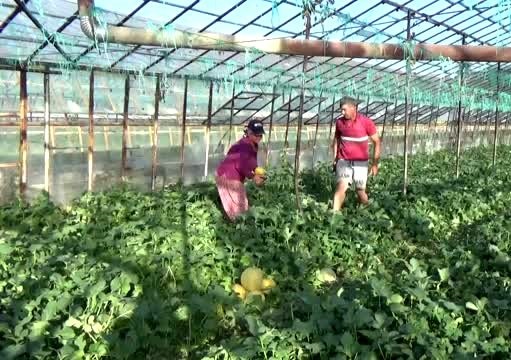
(116, 241)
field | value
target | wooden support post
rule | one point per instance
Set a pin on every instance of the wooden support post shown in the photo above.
(91, 132)
(268, 147)
(230, 120)
(154, 159)
(496, 131)
(459, 122)
(105, 136)
(80, 137)
(300, 117)
(407, 115)
(316, 132)
(52, 139)
(385, 119)
(332, 117)
(286, 143)
(124, 150)
(23, 132)
(183, 130)
(208, 129)
(47, 132)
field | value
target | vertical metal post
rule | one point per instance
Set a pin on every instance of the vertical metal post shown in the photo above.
(47, 132)
(183, 129)
(124, 159)
(459, 127)
(154, 158)
(208, 128)
(268, 147)
(407, 117)
(496, 131)
(90, 154)
(23, 131)
(231, 118)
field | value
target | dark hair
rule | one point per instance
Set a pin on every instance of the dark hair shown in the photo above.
(347, 100)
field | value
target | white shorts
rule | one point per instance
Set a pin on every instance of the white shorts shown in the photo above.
(352, 171)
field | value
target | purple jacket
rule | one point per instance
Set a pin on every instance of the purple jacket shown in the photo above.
(240, 162)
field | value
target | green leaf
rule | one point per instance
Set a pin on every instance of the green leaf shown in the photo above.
(38, 328)
(348, 344)
(11, 352)
(66, 333)
(5, 249)
(363, 316)
(396, 299)
(471, 306)
(49, 311)
(444, 274)
(254, 326)
(398, 308)
(73, 322)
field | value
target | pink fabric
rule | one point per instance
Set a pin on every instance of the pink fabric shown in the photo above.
(240, 162)
(233, 196)
(350, 135)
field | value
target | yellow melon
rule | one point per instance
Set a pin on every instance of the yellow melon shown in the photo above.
(268, 284)
(252, 279)
(260, 171)
(240, 291)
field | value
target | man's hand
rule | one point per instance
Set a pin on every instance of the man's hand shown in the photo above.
(259, 180)
(373, 171)
(334, 166)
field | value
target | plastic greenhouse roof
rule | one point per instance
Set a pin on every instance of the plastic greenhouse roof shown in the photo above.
(47, 33)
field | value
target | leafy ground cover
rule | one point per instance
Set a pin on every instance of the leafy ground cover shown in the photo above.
(127, 275)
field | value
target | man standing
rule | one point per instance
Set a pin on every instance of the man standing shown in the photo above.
(351, 151)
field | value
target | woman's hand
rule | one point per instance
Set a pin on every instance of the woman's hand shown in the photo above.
(259, 180)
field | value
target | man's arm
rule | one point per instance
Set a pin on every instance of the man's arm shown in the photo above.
(334, 147)
(377, 148)
(335, 141)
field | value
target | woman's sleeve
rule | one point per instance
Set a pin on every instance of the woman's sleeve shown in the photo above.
(247, 165)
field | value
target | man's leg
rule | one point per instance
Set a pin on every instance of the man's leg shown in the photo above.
(360, 170)
(340, 193)
(344, 174)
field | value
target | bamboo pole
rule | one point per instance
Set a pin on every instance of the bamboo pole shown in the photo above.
(316, 132)
(23, 132)
(124, 150)
(459, 123)
(208, 129)
(47, 132)
(331, 120)
(407, 117)
(230, 120)
(300, 116)
(496, 131)
(91, 132)
(154, 159)
(385, 119)
(286, 143)
(183, 130)
(268, 147)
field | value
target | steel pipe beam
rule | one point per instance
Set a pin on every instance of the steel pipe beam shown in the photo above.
(213, 41)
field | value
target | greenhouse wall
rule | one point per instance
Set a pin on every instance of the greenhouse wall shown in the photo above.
(69, 166)
(125, 132)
